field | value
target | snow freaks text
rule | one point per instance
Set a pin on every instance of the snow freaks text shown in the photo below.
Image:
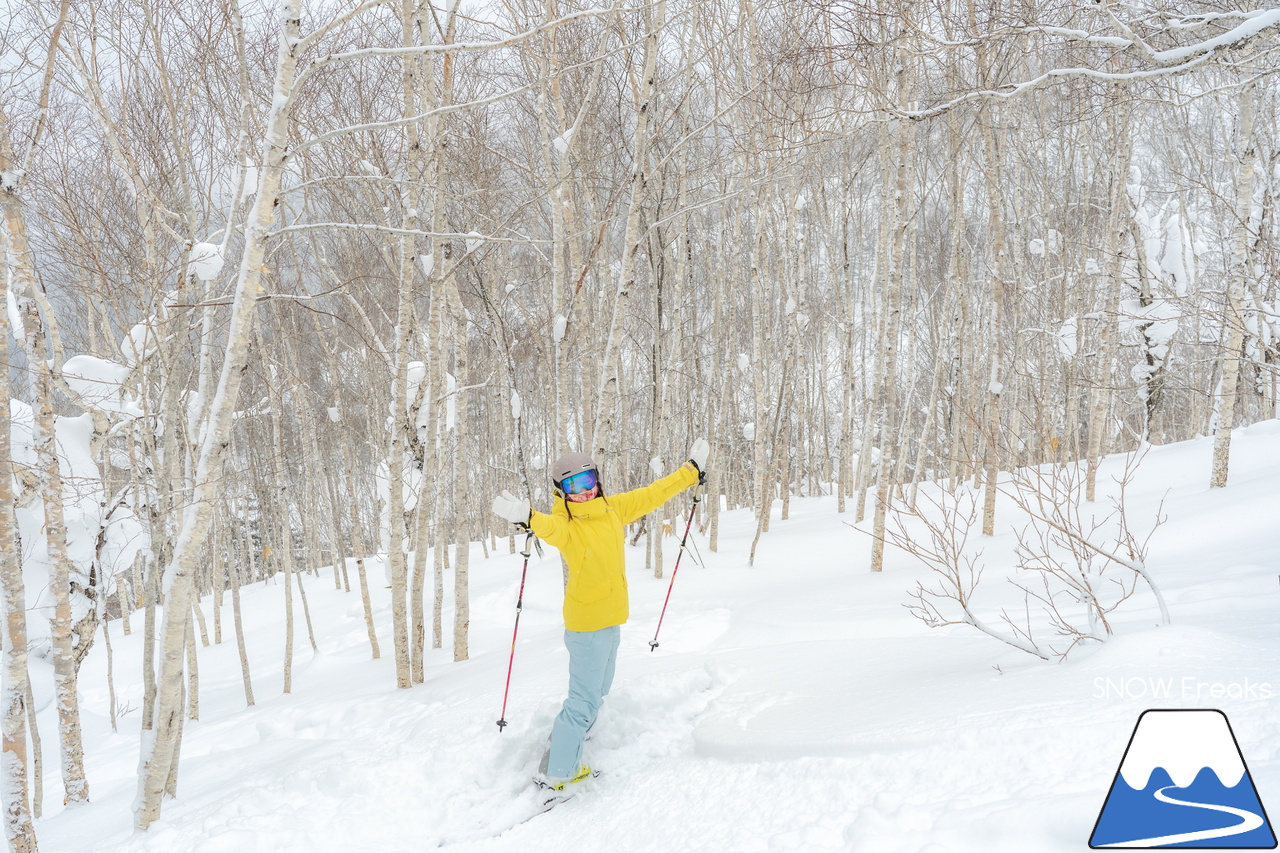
(1186, 689)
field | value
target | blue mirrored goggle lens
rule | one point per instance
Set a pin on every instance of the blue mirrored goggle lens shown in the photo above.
(579, 483)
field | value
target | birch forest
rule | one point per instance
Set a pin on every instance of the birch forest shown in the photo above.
(293, 284)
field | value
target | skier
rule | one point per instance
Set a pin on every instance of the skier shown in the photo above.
(587, 528)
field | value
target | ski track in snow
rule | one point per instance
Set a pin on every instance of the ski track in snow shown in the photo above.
(795, 705)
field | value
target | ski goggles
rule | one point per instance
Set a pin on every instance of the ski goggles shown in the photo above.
(580, 483)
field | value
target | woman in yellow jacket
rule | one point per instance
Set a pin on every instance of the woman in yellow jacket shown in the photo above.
(587, 528)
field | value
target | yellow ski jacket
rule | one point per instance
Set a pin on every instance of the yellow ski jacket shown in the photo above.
(589, 536)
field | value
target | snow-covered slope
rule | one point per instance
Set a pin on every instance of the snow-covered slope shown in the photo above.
(795, 705)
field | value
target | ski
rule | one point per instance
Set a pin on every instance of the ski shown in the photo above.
(548, 798)
(550, 801)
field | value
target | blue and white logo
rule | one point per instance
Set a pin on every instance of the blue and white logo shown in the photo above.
(1183, 783)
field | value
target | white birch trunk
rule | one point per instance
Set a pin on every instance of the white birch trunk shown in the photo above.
(608, 400)
(1228, 386)
(149, 604)
(341, 580)
(998, 281)
(437, 585)
(15, 684)
(395, 477)
(237, 581)
(111, 678)
(64, 662)
(956, 176)
(462, 559)
(1101, 395)
(193, 675)
(217, 562)
(896, 261)
(759, 358)
(37, 755)
(200, 622)
(715, 414)
(418, 586)
(280, 494)
(358, 543)
(288, 625)
(400, 424)
(160, 749)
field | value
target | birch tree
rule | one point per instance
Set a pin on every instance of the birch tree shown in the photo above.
(1248, 220)
(898, 150)
(159, 752)
(602, 436)
(18, 828)
(41, 343)
(1102, 393)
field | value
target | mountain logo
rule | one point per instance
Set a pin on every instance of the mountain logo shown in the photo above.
(1183, 783)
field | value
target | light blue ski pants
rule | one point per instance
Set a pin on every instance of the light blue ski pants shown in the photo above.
(592, 657)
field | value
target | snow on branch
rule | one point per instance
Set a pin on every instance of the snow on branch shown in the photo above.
(1085, 36)
(387, 229)
(1194, 21)
(1253, 26)
(1012, 89)
(1162, 63)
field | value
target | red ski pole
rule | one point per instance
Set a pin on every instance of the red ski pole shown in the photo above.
(528, 540)
(702, 479)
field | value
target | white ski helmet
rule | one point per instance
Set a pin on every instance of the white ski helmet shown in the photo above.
(571, 463)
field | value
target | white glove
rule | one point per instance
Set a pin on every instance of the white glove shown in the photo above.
(699, 452)
(513, 509)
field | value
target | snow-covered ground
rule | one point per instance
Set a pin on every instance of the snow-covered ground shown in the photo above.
(795, 705)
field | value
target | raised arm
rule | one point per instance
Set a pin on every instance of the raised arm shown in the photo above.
(552, 527)
(635, 503)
